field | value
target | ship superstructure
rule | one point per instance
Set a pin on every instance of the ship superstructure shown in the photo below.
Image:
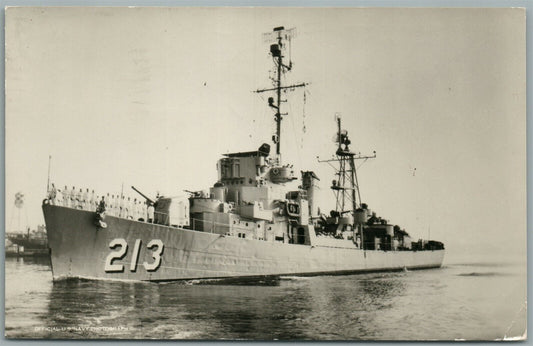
(249, 223)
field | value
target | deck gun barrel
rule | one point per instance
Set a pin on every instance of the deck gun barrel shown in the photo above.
(142, 194)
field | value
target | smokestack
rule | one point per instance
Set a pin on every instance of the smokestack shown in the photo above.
(309, 184)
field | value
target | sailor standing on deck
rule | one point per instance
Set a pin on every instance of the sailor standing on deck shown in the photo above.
(52, 194)
(145, 211)
(59, 197)
(65, 196)
(115, 205)
(140, 216)
(73, 197)
(116, 208)
(79, 199)
(101, 206)
(111, 207)
(121, 206)
(135, 211)
(133, 208)
(85, 200)
(106, 200)
(151, 211)
(91, 201)
(127, 214)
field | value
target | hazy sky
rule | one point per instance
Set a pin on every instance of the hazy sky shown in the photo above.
(152, 96)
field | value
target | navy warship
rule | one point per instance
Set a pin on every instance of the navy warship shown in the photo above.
(251, 223)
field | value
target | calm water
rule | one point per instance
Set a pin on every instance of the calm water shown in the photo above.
(459, 301)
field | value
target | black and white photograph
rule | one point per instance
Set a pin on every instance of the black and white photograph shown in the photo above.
(265, 173)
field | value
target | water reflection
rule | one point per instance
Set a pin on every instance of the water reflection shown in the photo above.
(299, 308)
(340, 304)
(30, 260)
(439, 304)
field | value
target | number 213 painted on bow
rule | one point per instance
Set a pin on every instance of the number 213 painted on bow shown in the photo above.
(156, 245)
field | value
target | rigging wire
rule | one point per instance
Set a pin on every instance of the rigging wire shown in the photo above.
(298, 151)
(362, 163)
(303, 114)
(290, 50)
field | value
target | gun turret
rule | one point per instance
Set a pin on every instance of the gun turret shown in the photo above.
(194, 193)
(144, 196)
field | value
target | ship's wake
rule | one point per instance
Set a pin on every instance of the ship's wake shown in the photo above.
(252, 281)
(488, 274)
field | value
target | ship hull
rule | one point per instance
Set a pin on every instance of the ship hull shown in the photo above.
(128, 250)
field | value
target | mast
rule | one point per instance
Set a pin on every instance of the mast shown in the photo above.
(277, 51)
(279, 34)
(48, 181)
(346, 186)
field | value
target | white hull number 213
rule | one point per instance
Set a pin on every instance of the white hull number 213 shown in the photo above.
(156, 245)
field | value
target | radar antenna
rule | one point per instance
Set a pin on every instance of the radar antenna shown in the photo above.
(278, 35)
